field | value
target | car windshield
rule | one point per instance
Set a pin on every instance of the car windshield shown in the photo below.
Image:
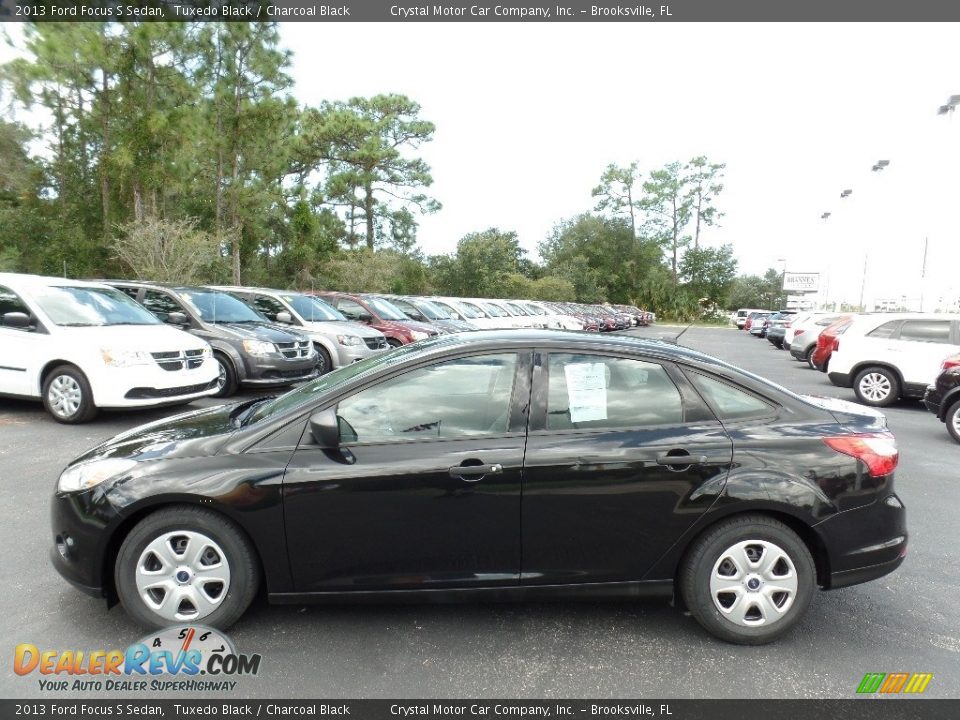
(313, 309)
(308, 391)
(517, 309)
(470, 311)
(432, 310)
(79, 306)
(386, 310)
(218, 307)
(494, 310)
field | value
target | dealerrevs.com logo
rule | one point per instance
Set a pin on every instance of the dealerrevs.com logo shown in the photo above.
(179, 658)
(894, 683)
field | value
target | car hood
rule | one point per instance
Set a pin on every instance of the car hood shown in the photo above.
(256, 331)
(151, 338)
(198, 433)
(343, 327)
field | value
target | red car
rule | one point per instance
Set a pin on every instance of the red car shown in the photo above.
(828, 341)
(380, 315)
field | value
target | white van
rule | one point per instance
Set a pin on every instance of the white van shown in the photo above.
(79, 346)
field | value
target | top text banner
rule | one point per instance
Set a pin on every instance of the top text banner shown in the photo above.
(516, 11)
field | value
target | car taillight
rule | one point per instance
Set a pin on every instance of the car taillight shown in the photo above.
(951, 362)
(878, 451)
(798, 332)
(836, 345)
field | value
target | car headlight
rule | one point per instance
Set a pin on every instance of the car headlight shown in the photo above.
(349, 340)
(90, 474)
(417, 335)
(258, 347)
(124, 358)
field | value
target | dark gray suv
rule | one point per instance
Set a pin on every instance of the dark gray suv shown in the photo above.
(251, 351)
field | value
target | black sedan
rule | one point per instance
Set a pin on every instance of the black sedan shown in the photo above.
(506, 465)
(942, 398)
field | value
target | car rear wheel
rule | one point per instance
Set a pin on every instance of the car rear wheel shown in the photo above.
(876, 386)
(226, 376)
(953, 421)
(748, 580)
(186, 564)
(393, 342)
(808, 357)
(67, 395)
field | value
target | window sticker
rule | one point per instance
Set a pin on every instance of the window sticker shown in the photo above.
(586, 391)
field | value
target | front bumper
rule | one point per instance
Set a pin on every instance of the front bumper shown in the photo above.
(865, 543)
(932, 400)
(148, 385)
(269, 370)
(840, 379)
(79, 523)
(349, 354)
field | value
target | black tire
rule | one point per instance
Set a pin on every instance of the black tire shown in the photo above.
(808, 357)
(227, 380)
(708, 553)
(66, 380)
(394, 343)
(952, 418)
(324, 363)
(876, 386)
(240, 557)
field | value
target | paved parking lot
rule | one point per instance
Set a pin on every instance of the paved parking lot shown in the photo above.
(908, 621)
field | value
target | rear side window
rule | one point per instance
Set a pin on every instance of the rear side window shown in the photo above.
(888, 329)
(593, 391)
(730, 403)
(935, 331)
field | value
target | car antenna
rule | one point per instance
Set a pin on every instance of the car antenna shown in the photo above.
(676, 340)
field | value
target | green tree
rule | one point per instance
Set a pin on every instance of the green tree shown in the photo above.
(668, 205)
(616, 192)
(709, 273)
(481, 265)
(704, 183)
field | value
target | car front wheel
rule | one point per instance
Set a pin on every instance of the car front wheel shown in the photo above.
(186, 564)
(226, 376)
(876, 386)
(67, 395)
(748, 580)
(953, 421)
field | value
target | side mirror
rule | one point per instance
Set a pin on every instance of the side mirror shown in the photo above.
(325, 429)
(178, 318)
(365, 318)
(284, 317)
(17, 320)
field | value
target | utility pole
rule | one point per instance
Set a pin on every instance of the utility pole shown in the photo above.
(923, 271)
(863, 284)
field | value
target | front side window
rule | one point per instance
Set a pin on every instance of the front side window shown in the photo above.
(85, 306)
(593, 391)
(160, 304)
(935, 331)
(269, 306)
(466, 397)
(351, 309)
(11, 302)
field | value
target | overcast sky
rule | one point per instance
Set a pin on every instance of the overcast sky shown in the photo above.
(528, 116)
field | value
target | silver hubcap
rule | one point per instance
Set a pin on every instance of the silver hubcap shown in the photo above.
(956, 421)
(875, 387)
(221, 374)
(183, 575)
(753, 583)
(65, 396)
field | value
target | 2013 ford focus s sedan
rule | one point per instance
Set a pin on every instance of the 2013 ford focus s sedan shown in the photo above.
(507, 465)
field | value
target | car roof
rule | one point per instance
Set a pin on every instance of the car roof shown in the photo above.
(162, 285)
(26, 280)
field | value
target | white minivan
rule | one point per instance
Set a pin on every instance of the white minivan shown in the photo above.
(887, 356)
(80, 346)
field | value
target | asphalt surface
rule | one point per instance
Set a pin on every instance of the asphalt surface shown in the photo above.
(908, 621)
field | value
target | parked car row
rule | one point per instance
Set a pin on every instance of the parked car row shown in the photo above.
(881, 357)
(71, 343)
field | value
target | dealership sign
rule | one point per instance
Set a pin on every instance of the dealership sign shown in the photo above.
(801, 282)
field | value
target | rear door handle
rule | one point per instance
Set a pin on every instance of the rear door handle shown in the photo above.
(472, 473)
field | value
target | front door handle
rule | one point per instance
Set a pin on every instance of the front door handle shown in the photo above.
(472, 473)
(681, 459)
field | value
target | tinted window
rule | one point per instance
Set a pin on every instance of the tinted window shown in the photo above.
(11, 302)
(592, 391)
(268, 306)
(730, 403)
(888, 329)
(458, 398)
(936, 331)
(160, 304)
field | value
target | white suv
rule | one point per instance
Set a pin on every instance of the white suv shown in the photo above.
(80, 346)
(887, 356)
